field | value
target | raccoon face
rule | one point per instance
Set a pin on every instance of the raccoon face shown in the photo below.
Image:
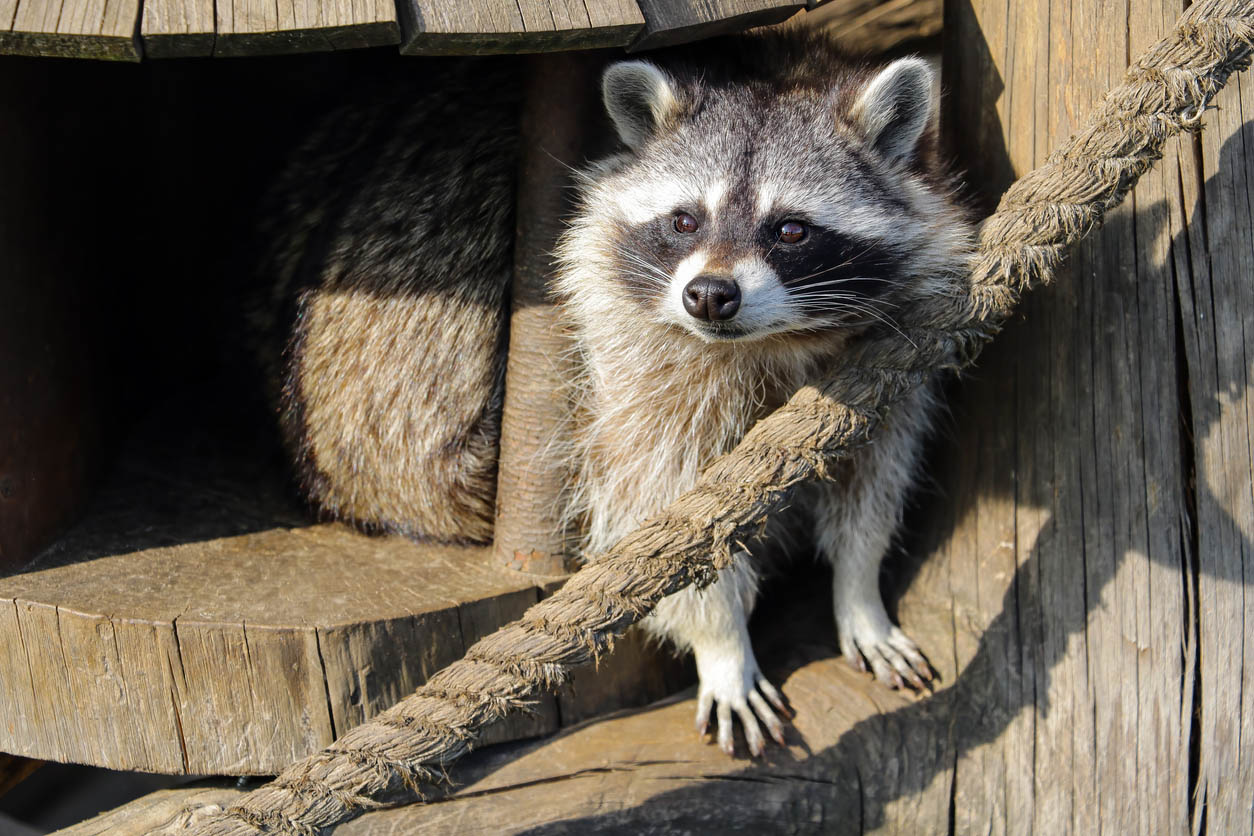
(745, 211)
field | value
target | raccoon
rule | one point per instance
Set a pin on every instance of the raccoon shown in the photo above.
(381, 322)
(771, 200)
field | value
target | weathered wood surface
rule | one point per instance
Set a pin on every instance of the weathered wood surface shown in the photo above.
(72, 28)
(1214, 271)
(251, 27)
(192, 625)
(560, 103)
(181, 28)
(195, 622)
(669, 22)
(434, 27)
(877, 26)
(178, 28)
(1098, 535)
(647, 770)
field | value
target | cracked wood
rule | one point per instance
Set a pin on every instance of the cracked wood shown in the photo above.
(493, 26)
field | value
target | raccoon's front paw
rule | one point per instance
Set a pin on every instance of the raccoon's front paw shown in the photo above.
(893, 656)
(744, 690)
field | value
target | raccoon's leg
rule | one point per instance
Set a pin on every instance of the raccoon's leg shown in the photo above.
(856, 519)
(713, 622)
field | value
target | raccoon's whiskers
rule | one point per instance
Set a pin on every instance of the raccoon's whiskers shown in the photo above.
(857, 306)
(838, 265)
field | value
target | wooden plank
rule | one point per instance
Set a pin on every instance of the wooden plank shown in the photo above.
(71, 28)
(647, 771)
(257, 27)
(669, 22)
(1217, 305)
(178, 28)
(162, 813)
(194, 623)
(435, 27)
(875, 26)
(1067, 540)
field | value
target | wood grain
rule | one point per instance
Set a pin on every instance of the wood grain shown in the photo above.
(178, 28)
(647, 771)
(434, 27)
(194, 622)
(252, 27)
(877, 26)
(1216, 299)
(71, 28)
(560, 103)
(1069, 540)
(235, 655)
(669, 22)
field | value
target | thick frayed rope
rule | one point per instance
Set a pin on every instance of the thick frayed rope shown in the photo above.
(400, 755)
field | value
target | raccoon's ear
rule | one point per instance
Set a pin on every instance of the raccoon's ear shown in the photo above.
(896, 107)
(639, 98)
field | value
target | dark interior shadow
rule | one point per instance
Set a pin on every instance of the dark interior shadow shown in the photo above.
(169, 235)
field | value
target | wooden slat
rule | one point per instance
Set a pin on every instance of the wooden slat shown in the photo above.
(1069, 540)
(875, 26)
(254, 27)
(71, 28)
(1217, 302)
(670, 22)
(177, 28)
(434, 27)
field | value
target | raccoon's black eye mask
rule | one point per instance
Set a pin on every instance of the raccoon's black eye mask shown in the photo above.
(827, 261)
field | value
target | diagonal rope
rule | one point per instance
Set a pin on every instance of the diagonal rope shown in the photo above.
(400, 755)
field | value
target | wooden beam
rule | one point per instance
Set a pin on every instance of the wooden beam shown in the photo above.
(434, 27)
(257, 27)
(669, 22)
(71, 28)
(559, 105)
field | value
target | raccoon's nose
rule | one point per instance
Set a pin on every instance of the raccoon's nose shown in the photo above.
(709, 297)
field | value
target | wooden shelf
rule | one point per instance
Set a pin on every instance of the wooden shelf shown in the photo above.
(129, 30)
(195, 622)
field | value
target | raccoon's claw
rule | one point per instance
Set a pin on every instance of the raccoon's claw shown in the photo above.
(893, 657)
(750, 707)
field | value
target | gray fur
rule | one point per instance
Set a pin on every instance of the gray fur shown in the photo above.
(785, 131)
(390, 259)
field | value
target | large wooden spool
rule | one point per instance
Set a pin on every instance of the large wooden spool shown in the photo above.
(1080, 576)
(192, 619)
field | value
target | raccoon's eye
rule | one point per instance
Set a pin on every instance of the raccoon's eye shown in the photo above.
(790, 232)
(685, 223)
